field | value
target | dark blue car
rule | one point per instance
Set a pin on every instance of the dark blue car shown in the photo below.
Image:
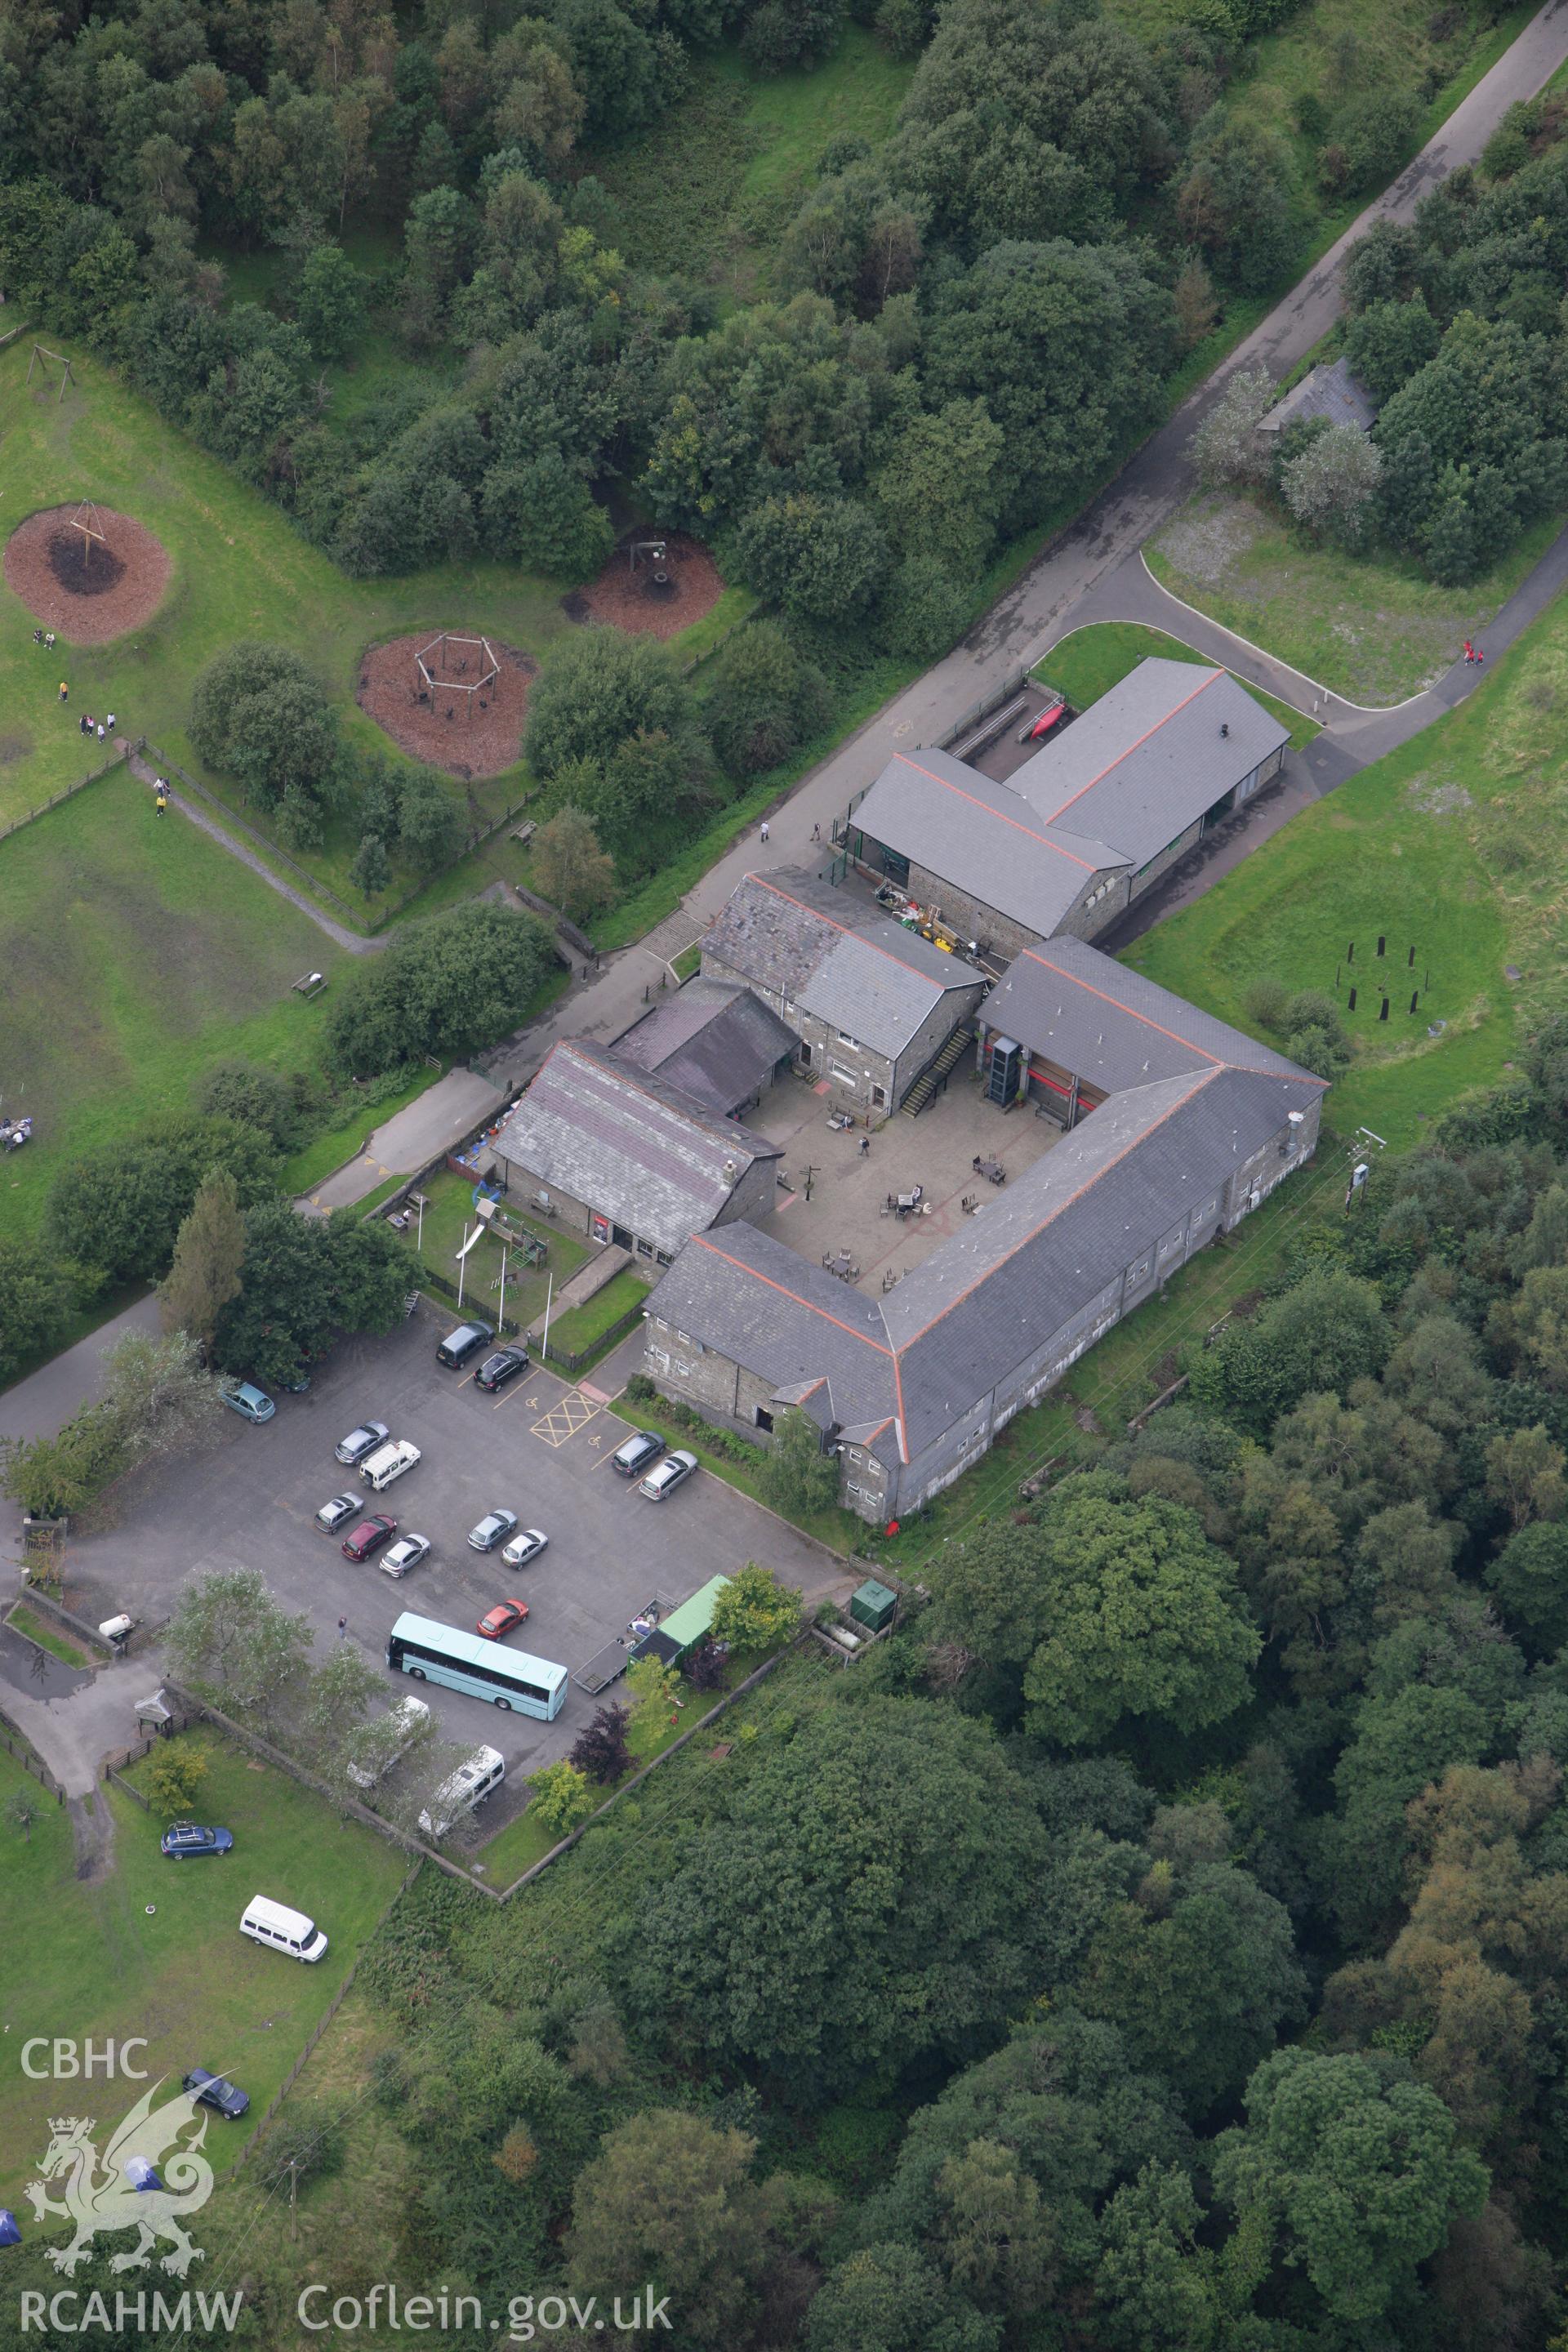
(212, 2091)
(183, 1839)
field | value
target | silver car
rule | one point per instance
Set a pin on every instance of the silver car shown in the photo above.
(363, 1441)
(492, 1529)
(406, 1553)
(331, 1516)
(525, 1547)
(671, 1471)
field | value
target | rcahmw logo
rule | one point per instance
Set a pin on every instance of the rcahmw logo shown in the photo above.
(147, 2180)
(69, 2312)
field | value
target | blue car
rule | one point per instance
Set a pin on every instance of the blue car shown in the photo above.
(185, 1840)
(212, 2091)
(246, 1401)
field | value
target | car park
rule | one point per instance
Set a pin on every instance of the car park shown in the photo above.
(503, 1366)
(184, 1841)
(492, 1529)
(465, 1342)
(671, 1472)
(368, 1537)
(212, 2091)
(644, 1445)
(246, 1399)
(524, 1548)
(406, 1553)
(331, 1516)
(361, 1441)
(503, 1619)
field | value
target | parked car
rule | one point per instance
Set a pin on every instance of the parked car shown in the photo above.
(671, 1471)
(363, 1441)
(639, 1451)
(503, 1366)
(283, 1930)
(243, 1398)
(388, 1462)
(212, 2091)
(406, 1553)
(502, 1619)
(369, 1536)
(465, 1342)
(297, 1385)
(525, 1547)
(331, 1516)
(183, 1839)
(492, 1529)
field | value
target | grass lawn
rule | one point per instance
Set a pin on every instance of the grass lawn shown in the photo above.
(1454, 845)
(708, 191)
(1372, 627)
(202, 1993)
(37, 1629)
(582, 1327)
(134, 950)
(1090, 661)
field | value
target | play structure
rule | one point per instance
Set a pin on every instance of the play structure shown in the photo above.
(45, 360)
(451, 670)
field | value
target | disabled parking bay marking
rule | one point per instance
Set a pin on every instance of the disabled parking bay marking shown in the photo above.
(564, 1420)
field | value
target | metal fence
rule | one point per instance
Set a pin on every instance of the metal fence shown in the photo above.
(977, 711)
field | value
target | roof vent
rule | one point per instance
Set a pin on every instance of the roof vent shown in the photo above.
(1224, 727)
(730, 1171)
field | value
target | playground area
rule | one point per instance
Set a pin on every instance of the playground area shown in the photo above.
(653, 587)
(86, 572)
(455, 698)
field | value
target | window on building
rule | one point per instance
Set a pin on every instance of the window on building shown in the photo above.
(764, 1418)
(844, 1038)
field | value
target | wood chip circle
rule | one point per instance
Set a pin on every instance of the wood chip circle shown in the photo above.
(657, 600)
(484, 732)
(87, 592)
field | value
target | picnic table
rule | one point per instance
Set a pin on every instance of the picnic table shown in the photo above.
(842, 1264)
(992, 1169)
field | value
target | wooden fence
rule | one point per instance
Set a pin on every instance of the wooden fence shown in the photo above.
(18, 1749)
(68, 791)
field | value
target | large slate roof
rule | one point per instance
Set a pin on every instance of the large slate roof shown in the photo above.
(1072, 1005)
(1123, 781)
(969, 1314)
(1144, 762)
(820, 949)
(980, 837)
(713, 1038)
(646, 1153)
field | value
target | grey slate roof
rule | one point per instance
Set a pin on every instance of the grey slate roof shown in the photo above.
(980, 837)
(1069, 1003)
(819, 948)
(973, 1311)
(1134, 772)
(1329, 390)
(1146, 760)
(644, 1153)
(750, 1298)
(713, 1038)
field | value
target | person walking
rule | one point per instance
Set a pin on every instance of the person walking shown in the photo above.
(1478, 657)
(865, 1147)
(161, 803)
(816, 833)
(108, 722)
(765, 831)
(101, 730)
(343, 1627)
(65, 691)
(81, 724)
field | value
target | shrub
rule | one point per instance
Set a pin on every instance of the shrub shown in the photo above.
(260, 714)
(561, 1799)
(764, 700)
(599, 689)
(1265, 1000)
(304, 2144)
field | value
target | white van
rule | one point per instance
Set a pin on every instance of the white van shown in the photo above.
(282, 1931)
(387, 1463)
(408, 1719)
(474, 1779)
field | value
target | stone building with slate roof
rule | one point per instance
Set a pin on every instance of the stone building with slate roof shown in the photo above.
(1179, 1126)
(1085, 826)
(715, 1041)
(869, 1003)
(623, 1156)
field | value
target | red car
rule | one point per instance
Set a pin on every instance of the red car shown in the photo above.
(368, 1537)
(503, 1618)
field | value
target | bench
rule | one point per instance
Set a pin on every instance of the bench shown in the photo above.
(310, 983)
(524, 833)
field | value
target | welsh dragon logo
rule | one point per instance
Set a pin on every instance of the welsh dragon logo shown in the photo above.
(179, 2178)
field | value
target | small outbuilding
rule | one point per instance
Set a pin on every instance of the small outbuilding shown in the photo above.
(1328, 391)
